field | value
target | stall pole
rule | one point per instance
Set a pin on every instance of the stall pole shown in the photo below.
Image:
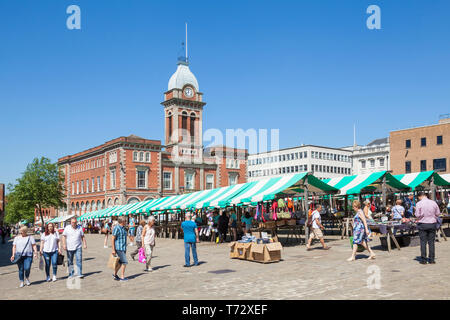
(433, 189)
(306, 211)
(384, 191)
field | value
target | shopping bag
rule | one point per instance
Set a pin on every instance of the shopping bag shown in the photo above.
(41, 263)
(113, 262)
(142, 258)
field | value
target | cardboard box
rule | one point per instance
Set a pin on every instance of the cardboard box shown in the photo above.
(233, 250)
(269, 252)
(256, 234)
(243, 250)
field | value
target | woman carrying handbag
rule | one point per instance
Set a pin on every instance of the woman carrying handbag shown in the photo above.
(22, 254)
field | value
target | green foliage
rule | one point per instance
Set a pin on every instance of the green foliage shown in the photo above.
(41, 186)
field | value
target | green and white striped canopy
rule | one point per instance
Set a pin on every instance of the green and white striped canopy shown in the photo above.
(363, 183)
(421, 179)
(217, 195)
(446, 177)
(286, 185)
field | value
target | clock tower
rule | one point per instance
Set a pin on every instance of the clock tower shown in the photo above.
(183, 113)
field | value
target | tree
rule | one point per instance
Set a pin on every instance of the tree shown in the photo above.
(41, 186)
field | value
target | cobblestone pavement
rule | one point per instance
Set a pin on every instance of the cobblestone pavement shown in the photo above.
(316, 274)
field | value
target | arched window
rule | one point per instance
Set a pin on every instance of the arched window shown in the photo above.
(184, 122)
(141, 156)
(99, 205)
(103, 204)
(110, 203)
(192, 126)
(116, 201)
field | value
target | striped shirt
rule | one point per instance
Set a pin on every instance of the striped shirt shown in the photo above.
(120, 241)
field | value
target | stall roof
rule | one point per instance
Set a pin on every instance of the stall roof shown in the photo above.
(446, 177)
(421, 179)
(369, 182)
(61, 219)
(287, 185)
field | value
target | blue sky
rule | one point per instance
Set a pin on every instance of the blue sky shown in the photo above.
(309, 68)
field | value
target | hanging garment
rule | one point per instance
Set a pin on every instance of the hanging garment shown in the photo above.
(281, 203)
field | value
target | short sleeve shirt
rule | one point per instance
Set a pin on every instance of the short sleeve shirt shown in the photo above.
(73, 237)
(132, 223)
(316, 215)
(189, 231)
(398, 211)
(20, 243)
(247, 221)
(50, 242)
(120, 241)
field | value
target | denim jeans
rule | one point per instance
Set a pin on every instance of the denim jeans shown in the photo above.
(24, 265)
(427, 235)
(78, 256)
(51, 258)
(187, 258)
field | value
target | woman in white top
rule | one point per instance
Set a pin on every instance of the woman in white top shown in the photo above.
(50, 247)
(24, 246)
(367, 211)
(148, 241)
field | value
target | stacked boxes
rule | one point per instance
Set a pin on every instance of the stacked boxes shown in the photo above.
(268, 252)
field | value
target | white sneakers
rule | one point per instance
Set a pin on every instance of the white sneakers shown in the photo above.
(54, 278)
(48, 279)
(27, 282)
(149, 270)
(21, 284)
(106, 247)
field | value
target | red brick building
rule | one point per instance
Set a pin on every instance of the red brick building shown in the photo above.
(131, 169)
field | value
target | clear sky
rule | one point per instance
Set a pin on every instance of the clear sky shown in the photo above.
(309, 68)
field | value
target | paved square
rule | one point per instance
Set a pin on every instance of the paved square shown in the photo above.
(316, 274)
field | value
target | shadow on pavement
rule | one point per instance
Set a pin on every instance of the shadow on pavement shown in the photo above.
(135, 276)
(161, 267)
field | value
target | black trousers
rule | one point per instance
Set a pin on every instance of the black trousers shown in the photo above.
(427, 234)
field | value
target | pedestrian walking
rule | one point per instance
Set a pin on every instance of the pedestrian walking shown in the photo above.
(73, 241)
(316, 227)
(427, 213)
(367, 211)
(190, 240)
(223, 226)
(132, 229)
(50, 247)
(148, 240)
(119, 248)
(361, 231)
(138, 239)
(23, 248)
(107, 231)
(233, 225)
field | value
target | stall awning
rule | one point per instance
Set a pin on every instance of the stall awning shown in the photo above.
(446, 177)
(61, 219)
(169, 201)
(287, 185)
(146, 206)
(422, 179)
(222, 199)
(218, 194)
(364, 183)
(190, 202)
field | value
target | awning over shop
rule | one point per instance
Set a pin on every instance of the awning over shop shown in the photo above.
(287, 185)
(365, 183)
(421, 179)
(146, 205)
(217, 195)
(222, 199)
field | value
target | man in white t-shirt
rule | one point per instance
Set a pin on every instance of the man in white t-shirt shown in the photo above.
(73, 238)
(316, 228)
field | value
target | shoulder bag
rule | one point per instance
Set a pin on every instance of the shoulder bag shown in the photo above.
(17, 256)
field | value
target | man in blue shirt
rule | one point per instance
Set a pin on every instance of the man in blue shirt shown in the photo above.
(409, 206)
(190, 239)
(119, 248)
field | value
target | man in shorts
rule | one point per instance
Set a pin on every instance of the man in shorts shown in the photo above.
(316, 229)
(119, 248)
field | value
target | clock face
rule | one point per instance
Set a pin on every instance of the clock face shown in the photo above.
(188, 92)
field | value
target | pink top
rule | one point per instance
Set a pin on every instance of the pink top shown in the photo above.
(427, 211)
